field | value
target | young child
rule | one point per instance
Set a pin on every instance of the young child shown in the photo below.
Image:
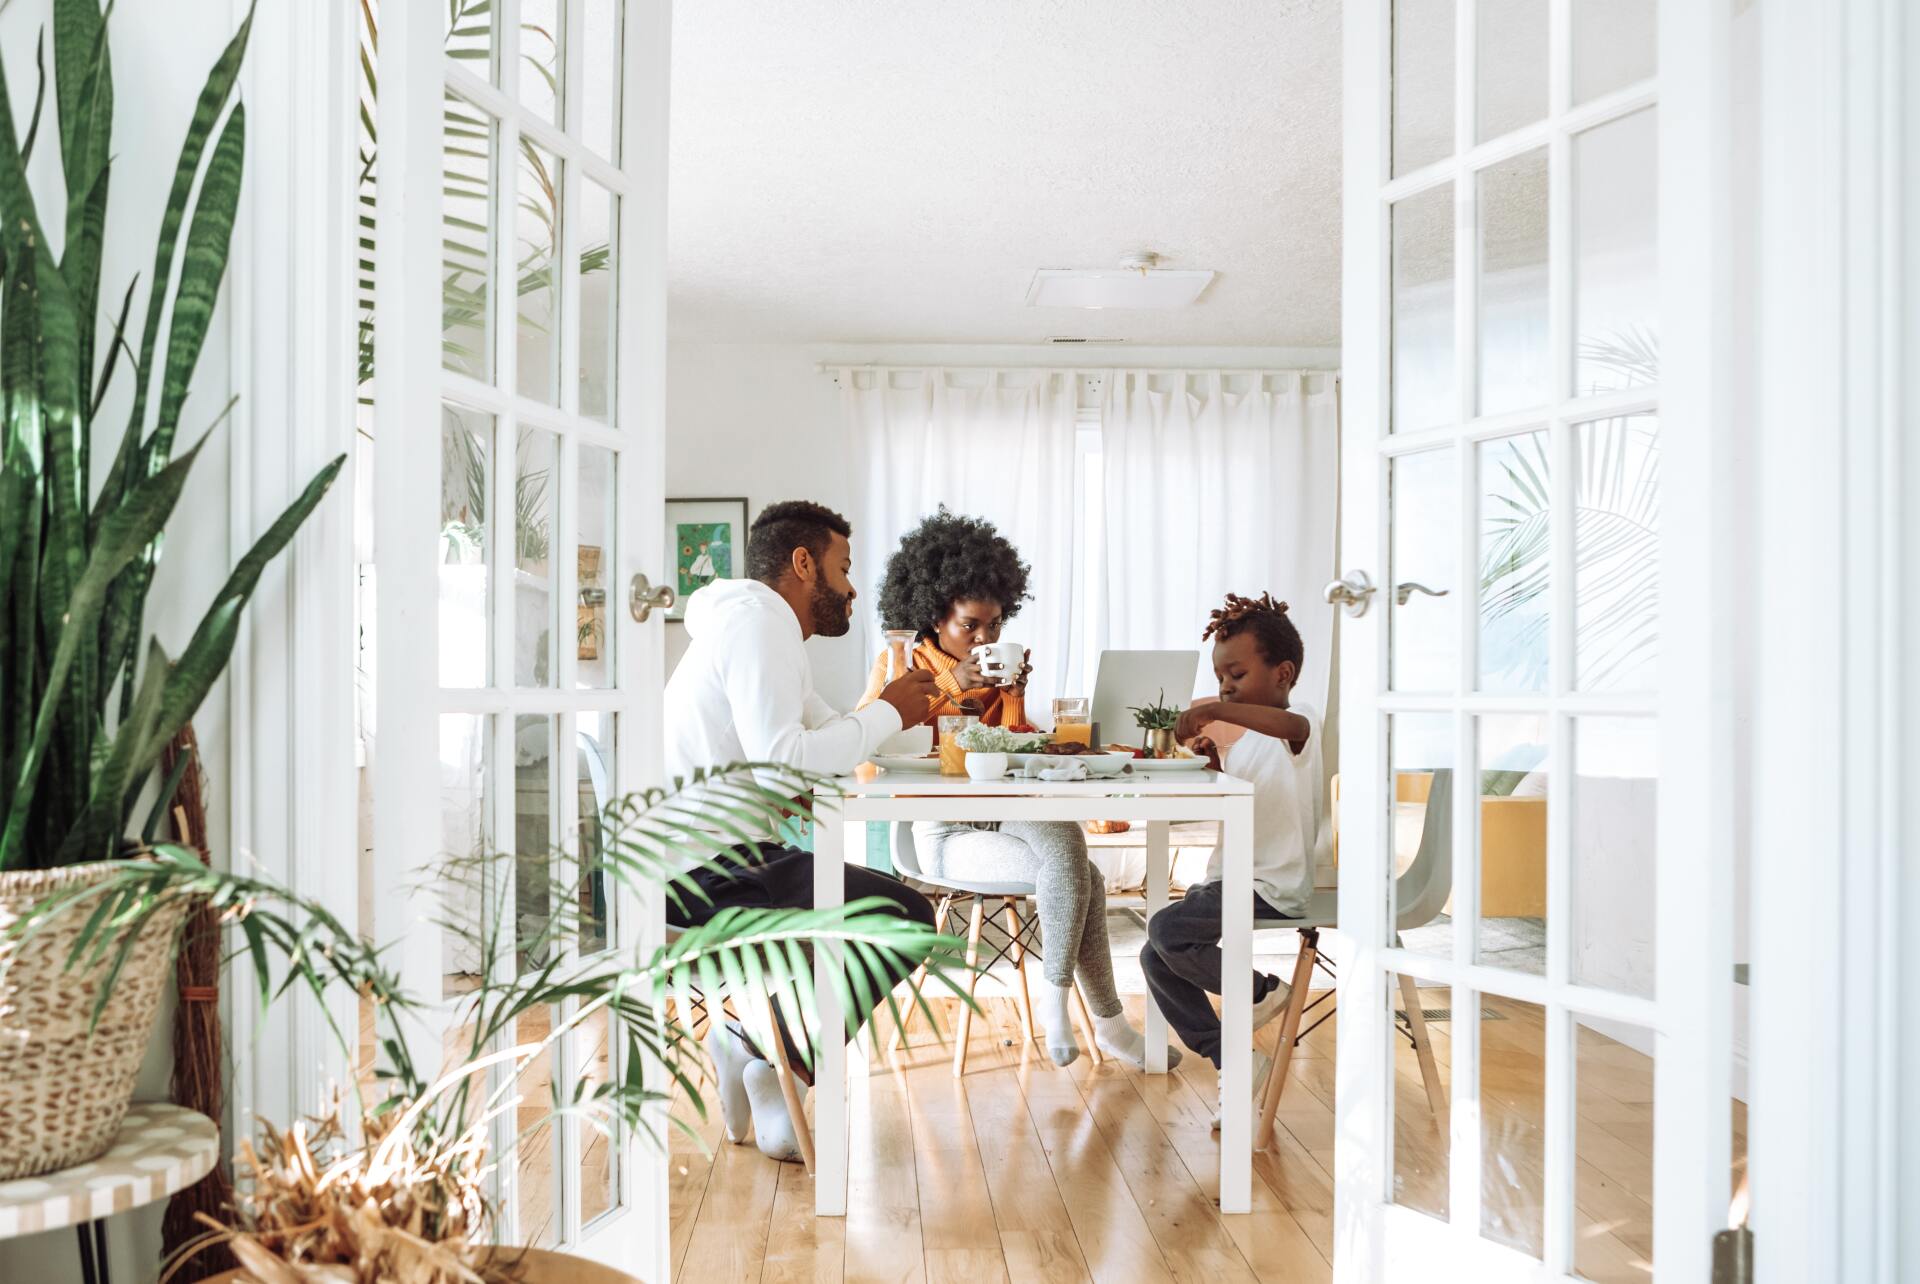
(1256, 657)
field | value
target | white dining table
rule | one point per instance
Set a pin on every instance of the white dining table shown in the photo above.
(1155, 798)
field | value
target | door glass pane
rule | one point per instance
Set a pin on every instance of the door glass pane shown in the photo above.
(1514, 370)
(536, 255)
(1514, 582)
(600, 96)
(1613, 45)
(540, 61)
(536, 478)
(1514, 766)
(595, 778)
(466, 543)
(1613, 1155)
(1423, 384)
(1420, 1093)
(1511, 65)
(1616, 551)
(1615, 790)
(471, 36)
(594, 1059)
(1422, 83)
(1421, 754)
(1513, 1040)
(535, 939)
(466, 755)
(599, 292)
(536, 1176)
(1616, 285)
(594, 531)
(466, 241)
(1425, 642)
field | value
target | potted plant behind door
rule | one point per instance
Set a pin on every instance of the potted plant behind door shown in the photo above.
(86, 704)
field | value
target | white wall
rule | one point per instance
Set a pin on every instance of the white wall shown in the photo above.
(760, 421)
(161, 52)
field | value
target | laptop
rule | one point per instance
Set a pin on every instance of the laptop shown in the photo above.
(1133, 678)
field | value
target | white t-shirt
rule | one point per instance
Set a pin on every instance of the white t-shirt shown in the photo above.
(1290, 833)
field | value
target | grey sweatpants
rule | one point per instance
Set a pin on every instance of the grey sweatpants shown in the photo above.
(1072, 897)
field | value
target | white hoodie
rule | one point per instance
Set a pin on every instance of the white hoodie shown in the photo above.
(744, 691)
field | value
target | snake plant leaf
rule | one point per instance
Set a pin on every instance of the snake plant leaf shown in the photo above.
(39, 97)
(207, 652)
(79, 34)
(22, 499)
(96, 834)
(201, 269)
(206, 111)
(17, 213)
(126, 530)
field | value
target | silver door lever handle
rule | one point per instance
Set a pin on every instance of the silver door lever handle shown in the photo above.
(643, 599)
(1353, 592)
(1407, 588)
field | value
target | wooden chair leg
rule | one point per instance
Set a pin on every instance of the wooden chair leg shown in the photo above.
(973, 980)
(1289, 1031)
(916, 980)
(1086, 1019)
(796, 1108)
(1019, 955)
(1423, 1048)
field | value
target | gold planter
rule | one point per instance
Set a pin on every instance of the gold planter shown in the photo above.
(1159, 743)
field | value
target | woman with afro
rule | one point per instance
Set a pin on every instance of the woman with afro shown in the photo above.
(955, 581)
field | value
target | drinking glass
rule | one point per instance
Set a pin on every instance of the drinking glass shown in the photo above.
(953, 759)
(899, 649)
(1073, 720)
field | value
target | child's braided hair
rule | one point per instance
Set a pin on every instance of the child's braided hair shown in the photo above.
(1266, 619)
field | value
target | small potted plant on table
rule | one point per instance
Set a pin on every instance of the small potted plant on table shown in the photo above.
(1156, 722)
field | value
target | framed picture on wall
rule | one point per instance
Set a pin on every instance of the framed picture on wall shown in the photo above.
(707, 539)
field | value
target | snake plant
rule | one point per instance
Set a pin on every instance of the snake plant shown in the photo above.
(85, 705)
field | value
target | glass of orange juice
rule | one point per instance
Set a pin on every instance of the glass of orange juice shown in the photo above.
(1073, 720)
(953, 759)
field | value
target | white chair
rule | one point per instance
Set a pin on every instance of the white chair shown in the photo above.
(1018, 947)
(1419, 894)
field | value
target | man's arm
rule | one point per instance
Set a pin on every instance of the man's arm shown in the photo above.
(767, 685)
(1281, 724)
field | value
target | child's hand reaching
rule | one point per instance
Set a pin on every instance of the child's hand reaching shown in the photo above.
(1205, 747)
(1194, 719)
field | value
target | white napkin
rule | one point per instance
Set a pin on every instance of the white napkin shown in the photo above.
(1066, 770)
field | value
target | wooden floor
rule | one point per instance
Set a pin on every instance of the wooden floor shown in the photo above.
(1023, 1171)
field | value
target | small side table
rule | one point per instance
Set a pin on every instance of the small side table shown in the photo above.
(160, 1149)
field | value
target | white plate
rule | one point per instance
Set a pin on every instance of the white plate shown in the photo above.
(1170, 764)
(894, 762)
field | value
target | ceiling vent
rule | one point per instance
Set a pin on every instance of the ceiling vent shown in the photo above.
(1061, 338)
(1138, 282)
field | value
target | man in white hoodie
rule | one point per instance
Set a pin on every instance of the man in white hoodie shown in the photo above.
(743, 692)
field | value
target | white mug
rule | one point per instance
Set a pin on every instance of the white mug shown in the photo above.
(1001, 662)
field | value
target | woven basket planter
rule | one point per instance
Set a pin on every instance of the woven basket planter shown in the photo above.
(64, 1083)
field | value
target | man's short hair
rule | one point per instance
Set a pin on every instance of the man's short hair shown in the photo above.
(783, 527)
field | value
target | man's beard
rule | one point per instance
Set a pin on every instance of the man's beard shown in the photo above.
(831, 616)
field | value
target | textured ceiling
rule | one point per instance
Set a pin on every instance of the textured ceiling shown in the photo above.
(894, 170)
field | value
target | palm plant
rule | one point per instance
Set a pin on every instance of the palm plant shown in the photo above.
(76, 564)
(426, 1133)
(1615, 527)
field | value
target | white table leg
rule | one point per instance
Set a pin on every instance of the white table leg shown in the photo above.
(1158, 857)
(860, 1060)
(830, 1071)
(1236, 1003)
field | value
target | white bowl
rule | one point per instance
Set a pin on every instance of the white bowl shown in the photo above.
(987, 766)
(1105, 764)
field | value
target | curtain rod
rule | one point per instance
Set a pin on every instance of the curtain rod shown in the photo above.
(833, 367)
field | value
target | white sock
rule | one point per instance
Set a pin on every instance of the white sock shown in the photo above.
(731, 1057)
(1117, 1037)
(772, 1125)
(1054, 1015)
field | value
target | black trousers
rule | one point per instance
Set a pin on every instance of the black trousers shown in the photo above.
(773, 877)
(1181, 960)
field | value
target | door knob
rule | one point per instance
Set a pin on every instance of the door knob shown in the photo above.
(643, 599)
(1354, 592)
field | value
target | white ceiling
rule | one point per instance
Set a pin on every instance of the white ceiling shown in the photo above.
(894, 170)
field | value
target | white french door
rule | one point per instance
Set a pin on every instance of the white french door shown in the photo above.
(1523, 716)
(516, 462)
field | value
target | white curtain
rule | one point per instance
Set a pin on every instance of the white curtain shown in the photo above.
(1217, 482)
(996, 444)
